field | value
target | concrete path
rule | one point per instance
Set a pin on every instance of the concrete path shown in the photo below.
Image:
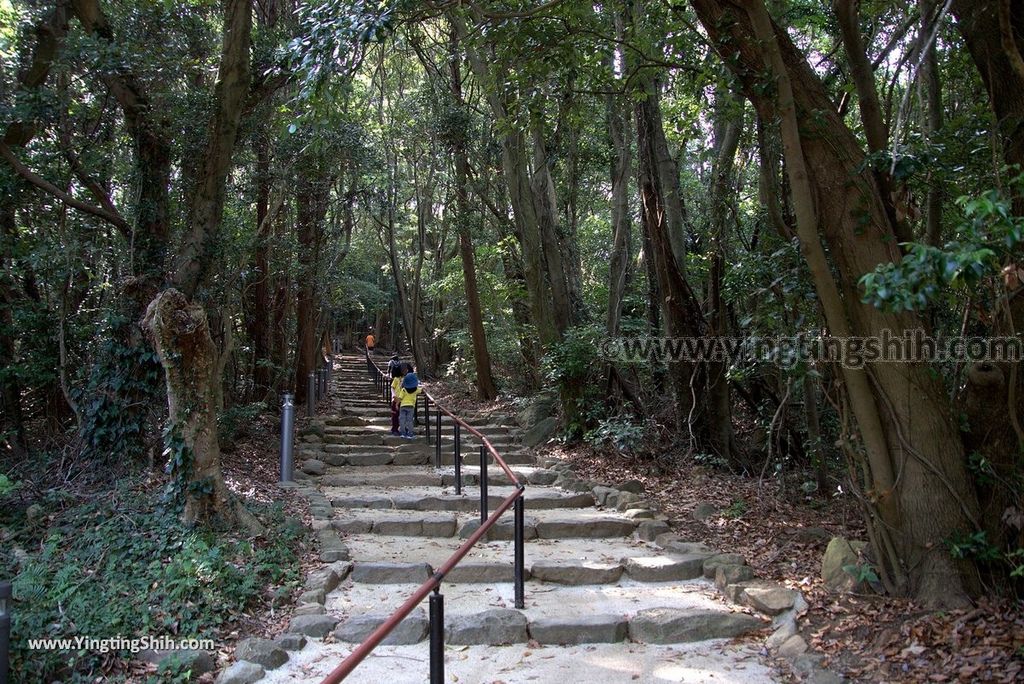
(604, 602)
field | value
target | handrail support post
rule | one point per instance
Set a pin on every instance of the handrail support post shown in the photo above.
(426, 415)
(437, 637)
(458, 468)
(310, 394)
(483, 484)
(437, 450)
(458, 443)
(519, 536)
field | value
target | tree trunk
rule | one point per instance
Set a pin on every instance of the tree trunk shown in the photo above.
(279, 312)
(311, 199)
(512, 264)
(481, 356)
(520, 193)
(180, 334)
(546, 210)
(903, 415)
(207, 203)
(931, 86)
(728, 128)
(994, 40)
(619, 135)
(848, 16)
(12, 419)
(259, 330)
(679, 305)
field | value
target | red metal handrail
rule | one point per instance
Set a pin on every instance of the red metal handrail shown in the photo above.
(378, 635)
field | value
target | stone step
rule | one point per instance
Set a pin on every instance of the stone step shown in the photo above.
(644, 613)
(412, 476)
(539, 524)
(612, 663)
(384, 437)
(511, 457)
(369, 403)
(381, 428)
(591, 579)
(369, 455)
(427, 499)
(446, 426)
(609, 551)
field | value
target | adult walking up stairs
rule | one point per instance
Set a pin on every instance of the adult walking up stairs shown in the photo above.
(603, 602)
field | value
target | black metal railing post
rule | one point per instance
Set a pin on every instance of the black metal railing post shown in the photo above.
(518, 537)
(458, 459)
(5, 630)
(483, 484)
(310, 394)
(426, 415)
(458, 442)
(437, 445)
(437, 637)
(458, 473)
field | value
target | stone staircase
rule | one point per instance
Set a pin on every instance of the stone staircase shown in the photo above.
(611, 595)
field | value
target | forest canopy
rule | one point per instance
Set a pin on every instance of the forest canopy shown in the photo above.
(197, 197)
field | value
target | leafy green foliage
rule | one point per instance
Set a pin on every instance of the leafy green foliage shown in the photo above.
(987, 237)
(331, 35)
(620, 432)
(122, 566)
(736, 509)
(123, 387)
(974, 546)
(6, 485)
(862, 573)
(981, 469)
(233, 422)
(179, 461)
(573, 366)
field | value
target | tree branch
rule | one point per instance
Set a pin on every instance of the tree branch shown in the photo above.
(111, 217)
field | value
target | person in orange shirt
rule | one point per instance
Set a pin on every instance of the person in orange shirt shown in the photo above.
(371, 341)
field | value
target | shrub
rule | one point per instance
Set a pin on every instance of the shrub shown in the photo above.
(123, 566)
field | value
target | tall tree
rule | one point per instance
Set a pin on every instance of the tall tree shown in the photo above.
(481, 356)
(932, 499)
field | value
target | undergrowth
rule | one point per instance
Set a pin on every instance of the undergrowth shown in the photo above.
(122, 565)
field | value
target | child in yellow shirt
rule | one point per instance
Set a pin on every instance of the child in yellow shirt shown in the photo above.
(408, 393)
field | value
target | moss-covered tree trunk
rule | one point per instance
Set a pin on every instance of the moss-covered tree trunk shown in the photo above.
(180, 333)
